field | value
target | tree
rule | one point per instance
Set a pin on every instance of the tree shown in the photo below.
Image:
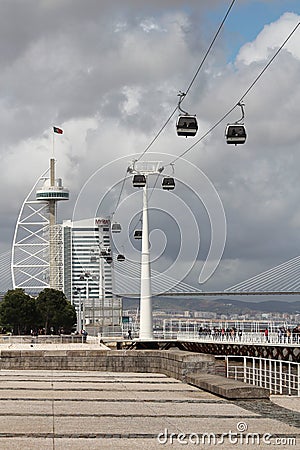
(18, 311)
(55, 311)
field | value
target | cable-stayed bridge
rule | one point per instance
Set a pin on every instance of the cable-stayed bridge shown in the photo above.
(283, 279)
(127, 279)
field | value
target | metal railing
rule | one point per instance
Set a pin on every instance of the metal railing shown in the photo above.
(279, 377)
(250, 337)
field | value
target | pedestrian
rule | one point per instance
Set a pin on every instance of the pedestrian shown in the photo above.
(129, 334)
(267, 334)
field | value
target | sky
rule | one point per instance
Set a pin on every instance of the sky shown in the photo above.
(109, 74)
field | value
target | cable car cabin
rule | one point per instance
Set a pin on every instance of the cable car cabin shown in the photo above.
(120, 258)
(235, 134)
(138, 234)
(109, 259)
(139, 180)
(116, 228)
(187, 126)
(168, 183)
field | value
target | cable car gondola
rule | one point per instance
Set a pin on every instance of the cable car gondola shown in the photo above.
(168, 183)
(187, 125)
(138, 234)
(120, 257)
(139, 180)
(116, 228)
(235, 133)
(109, 259)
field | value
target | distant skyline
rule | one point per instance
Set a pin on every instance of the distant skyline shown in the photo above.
(108, 74)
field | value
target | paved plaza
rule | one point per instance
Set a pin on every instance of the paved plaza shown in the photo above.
(100, 410)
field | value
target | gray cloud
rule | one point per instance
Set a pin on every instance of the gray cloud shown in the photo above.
(109, 74)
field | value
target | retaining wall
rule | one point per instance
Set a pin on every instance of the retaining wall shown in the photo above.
(193, 368)
(175, 364)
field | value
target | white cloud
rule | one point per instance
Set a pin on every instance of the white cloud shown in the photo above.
(270, 39)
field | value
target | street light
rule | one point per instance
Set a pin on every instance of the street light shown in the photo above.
(82, 277)
(103, 254)
(77, 290)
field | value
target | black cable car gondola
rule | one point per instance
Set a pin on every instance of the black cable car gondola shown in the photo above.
(186, 124)
(139, 180)
(116, 228)
(235, 133)
(109, 259)
(138, 234)
(168, 183)
(120, 257)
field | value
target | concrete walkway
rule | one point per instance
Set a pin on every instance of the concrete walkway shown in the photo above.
(100, 410)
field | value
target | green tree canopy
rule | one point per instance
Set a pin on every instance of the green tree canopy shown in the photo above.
(18, 312)
(55, 311)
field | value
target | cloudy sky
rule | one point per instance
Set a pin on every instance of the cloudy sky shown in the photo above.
(108, 74)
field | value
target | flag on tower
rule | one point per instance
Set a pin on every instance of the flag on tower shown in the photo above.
(58, 130)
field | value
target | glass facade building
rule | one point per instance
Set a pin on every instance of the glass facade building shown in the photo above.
(89, 274)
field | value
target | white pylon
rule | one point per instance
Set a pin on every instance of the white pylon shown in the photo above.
(146, 322)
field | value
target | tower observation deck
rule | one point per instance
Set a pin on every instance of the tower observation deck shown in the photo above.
(52, 193)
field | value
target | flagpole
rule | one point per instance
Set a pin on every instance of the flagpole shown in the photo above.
(52, 143)
(55, 130)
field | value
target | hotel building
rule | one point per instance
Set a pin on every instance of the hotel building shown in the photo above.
(89, 275)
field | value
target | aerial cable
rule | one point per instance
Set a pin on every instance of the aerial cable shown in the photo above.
(210, 47)
(120, 194)
(240, 101)
(270, 62)
(191, 83)
(141, 214)
(157, 135)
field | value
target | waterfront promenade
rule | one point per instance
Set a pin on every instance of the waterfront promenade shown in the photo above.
(60, 409)
(93, 410)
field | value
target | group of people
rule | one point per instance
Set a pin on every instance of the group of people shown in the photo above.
(223, 333)
(285, 335)
(289, 335)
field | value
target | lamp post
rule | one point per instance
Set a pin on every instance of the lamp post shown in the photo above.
(103, 254)
(101, 288)
(79, 310)
(82, 277)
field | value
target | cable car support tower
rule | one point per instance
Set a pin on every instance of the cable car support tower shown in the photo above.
(141, 171)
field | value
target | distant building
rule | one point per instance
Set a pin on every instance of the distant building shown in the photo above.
(205, 314)
(88, 274)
